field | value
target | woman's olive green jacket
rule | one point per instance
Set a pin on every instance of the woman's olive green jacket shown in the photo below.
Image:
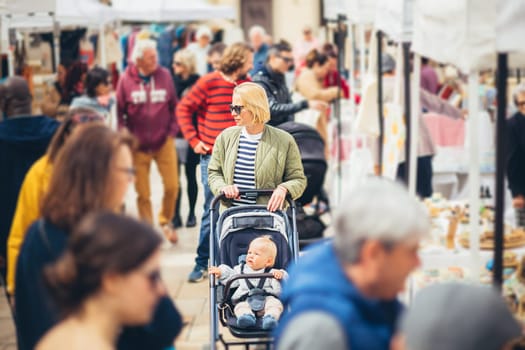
(277, 162)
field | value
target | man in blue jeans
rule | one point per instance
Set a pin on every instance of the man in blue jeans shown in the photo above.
(210, 97)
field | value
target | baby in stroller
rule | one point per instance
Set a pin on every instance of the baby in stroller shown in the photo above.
(255, 297)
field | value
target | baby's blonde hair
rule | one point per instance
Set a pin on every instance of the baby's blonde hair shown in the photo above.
(269, 246)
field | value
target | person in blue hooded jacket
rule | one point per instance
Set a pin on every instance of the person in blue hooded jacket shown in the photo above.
(23, 139)
(347, 289)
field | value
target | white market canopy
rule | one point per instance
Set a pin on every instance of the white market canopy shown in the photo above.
(469, 35)
(395, 18)
(357, 11)
(37, 14)
(171, 10)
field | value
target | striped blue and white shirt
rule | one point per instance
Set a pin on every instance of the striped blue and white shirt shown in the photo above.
(244, 173)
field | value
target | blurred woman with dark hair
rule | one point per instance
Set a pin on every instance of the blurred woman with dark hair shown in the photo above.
(97, 95)
(310, 85)
(51, 103)
(310, 81)
(99, 279)
(74, 84)
(331, 78)
(92, 172)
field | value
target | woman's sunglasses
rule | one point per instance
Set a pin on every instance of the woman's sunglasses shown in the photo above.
(236, 108)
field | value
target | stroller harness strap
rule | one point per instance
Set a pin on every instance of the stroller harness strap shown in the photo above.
(256, 296)
(260, 285)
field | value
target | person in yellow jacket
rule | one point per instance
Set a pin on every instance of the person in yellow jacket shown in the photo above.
(35, 186)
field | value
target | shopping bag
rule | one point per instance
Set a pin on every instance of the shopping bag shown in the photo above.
(367, 121)
(360, 163)
(307, 116)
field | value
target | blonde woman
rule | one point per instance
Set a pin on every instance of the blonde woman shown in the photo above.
(254, 155)
(185, 75)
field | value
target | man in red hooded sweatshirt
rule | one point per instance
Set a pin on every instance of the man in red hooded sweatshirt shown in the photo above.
(146, 102)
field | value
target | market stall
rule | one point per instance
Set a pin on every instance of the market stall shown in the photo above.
(49, 31)
(24, 14)
(471, 37)
(351, 159)
(51, 15)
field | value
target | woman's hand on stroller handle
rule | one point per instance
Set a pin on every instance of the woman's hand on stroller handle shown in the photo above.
(277, 199)
(230, 191)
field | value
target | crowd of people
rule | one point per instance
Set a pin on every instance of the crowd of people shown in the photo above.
(81, 274)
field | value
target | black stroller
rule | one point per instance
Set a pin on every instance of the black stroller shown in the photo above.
(230, 236)
(311, 146)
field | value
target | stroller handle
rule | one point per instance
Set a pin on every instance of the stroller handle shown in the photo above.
(252, 193)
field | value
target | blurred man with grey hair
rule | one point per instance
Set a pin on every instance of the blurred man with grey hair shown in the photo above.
(146, 102)
(347, 289)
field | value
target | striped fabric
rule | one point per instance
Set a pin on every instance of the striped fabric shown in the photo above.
(210, 97)
(244, 173)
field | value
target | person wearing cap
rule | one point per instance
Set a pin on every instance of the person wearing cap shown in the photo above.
(23, 139)
(457, 317)
(346, 290)
(260, 48)
(200, 48)
(426, 147)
